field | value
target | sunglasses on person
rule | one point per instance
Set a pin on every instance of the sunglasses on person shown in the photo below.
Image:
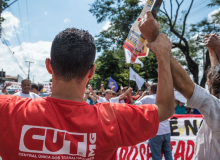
(112, 94)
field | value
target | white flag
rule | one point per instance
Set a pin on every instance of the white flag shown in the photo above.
(128, 58)
(179, 97)
(135, 77)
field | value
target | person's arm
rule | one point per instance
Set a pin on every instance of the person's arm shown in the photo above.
(122, 96)
(113, 88)
(212, 43)
(143, 94)
(162, 48)
(129, 94)
(93, 98)
(86, 95)
(181, 79)
(93, 93)
(102, 89)
(207, 105)
(4, 91)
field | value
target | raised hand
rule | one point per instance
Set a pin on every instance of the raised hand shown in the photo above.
(161, 47)
(149, 27)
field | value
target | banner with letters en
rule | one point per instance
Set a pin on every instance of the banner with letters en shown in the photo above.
(183, 135)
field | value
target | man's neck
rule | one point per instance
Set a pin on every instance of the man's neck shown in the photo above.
(72, 90)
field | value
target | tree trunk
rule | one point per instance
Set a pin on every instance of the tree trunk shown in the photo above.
(207, 63)
(0, 18)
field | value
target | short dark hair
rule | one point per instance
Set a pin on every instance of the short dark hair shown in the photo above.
(213, 76)
(72, 54)
(153, 88)
(33, 85)
(25, 80)
(40, 87)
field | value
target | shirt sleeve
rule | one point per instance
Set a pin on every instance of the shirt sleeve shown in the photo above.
(100, 100)
(208, 106)
(136, 123)
(114, 100)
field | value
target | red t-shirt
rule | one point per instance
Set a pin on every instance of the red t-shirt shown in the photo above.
(49, 128)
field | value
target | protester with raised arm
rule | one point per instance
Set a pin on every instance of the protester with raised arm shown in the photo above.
(64, 125)
(161, 142)
(208, 139)
(26, 90)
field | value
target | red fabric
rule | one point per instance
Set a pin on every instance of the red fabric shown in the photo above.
(136, 97)
(49, 128)
(127, 100)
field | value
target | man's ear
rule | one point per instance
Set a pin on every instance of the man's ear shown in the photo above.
(48, 65)
(91, 72)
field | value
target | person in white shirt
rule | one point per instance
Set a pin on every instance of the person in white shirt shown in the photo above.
(208, 104)
(110, 96)
(26, 87)
(162, 140)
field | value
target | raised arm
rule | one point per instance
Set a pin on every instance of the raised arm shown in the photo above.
(86, 95)
(162, 48)
(212, 43)
(122, 96)
(4, 89)
(102, 89)
(93, 98)
(181, 80)
(143, 94)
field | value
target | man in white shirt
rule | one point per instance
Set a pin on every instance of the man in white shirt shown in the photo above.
(208, 138)
(26, 87)
(110, 96)
(162, 140)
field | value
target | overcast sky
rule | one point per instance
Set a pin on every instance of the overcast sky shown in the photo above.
(31, 26)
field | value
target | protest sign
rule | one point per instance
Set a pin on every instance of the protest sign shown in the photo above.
(135, 43)
(183, 135)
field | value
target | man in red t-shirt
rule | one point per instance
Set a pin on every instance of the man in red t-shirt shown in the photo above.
(63, 126)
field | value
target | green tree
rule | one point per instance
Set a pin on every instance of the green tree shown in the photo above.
(3, 5)
(122, 14)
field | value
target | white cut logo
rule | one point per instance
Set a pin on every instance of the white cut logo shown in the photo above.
(38, 139)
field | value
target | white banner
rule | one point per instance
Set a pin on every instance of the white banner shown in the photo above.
(183, 135)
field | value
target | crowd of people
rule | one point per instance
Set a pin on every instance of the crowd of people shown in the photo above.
(64, 124)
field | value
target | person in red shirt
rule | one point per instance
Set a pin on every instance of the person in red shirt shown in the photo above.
(63, 126)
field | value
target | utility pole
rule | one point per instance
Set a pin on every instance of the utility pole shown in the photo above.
(29, 67)
(33, 78)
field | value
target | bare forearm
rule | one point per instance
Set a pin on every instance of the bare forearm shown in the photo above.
(130, 98)
(217, 52)
(122, 96)
(93, 98)
(85, 97)
(181, 80)
(165, 94)
(213, 59)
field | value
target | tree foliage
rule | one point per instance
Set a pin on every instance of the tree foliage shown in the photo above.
(187, 39)
(4, 6)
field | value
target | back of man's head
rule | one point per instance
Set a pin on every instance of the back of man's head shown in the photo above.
(40, 87)
(72, 54)
(213, 78)
(34, 88)
(153, 88)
